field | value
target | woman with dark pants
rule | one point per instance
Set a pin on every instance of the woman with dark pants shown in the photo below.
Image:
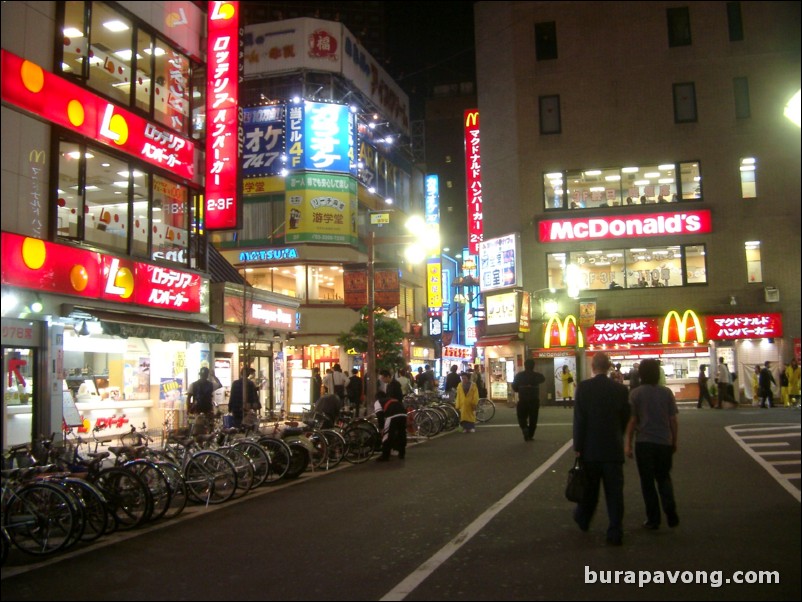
(654, 419)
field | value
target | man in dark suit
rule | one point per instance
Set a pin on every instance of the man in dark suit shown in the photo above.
(601, 413)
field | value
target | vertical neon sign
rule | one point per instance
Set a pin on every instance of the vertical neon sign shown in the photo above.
(222, 106)
(473, 179)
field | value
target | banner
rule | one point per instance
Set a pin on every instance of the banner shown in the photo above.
(321, 208)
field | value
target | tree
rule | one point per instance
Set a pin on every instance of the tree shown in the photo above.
(388, 336)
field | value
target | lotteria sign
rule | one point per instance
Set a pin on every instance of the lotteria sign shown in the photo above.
(30, 88)
(53, 268)
(222, 104)
(630, 226)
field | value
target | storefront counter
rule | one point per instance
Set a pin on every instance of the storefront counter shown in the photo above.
(684, 389)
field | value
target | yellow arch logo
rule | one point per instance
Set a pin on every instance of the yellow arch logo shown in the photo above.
(682, 326)
(471, 119)
(562, 327)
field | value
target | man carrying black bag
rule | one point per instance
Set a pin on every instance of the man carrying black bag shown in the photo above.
(601, 414)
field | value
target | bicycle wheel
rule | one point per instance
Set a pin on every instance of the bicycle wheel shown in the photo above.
(320, 448)
(360, 444)
(300, 457)
(485, 410)
(95, 507)
(157, 483)
(336, 445)
(178, 489)
(244, 468)
(259, 459)
(279, 454)
(452, 417)
(128, 496)
(211, 477)
(425, 426)
(40, 518)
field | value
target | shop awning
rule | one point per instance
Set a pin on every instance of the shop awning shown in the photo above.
(147, 327)
(502, 339)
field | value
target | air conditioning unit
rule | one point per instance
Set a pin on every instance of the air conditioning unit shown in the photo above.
(772, 294)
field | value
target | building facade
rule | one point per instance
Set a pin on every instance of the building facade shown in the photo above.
(642, 153)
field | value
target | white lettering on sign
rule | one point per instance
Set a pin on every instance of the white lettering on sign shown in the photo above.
(633, 226)
(270, 316)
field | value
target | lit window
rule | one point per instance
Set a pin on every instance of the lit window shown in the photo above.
(754, 269)
(748, 170)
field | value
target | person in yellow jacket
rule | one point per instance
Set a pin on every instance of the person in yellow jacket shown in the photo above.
(466, 401)
(792, 372)
(568, 384)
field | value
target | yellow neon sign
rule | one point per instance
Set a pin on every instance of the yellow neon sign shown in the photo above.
(562, 327)
(682, 326)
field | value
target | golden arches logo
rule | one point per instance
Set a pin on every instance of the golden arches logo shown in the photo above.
(37, 156)
(682, 326)
(472, 119)
(562, 327)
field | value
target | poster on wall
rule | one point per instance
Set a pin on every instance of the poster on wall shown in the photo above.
(321, 208)
(171, 394)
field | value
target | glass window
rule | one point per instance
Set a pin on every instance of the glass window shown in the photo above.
(685, 103)
(172, 87)
(630, 268)
(110, 53)
(70, 194)
(615, 187)
(108, 184)
(325, 284)
(690, 181)
(96, 194)
(754, 268)
(113, 53)
(550, 119)
(748, 169)
(74, 39)
(546, 41)
(170, 220)
(740, 87)
(679, 26)
(695, 265)
(735, 22)
(144, 71)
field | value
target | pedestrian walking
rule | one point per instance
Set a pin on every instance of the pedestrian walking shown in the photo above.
(654, 423)
(704, 391)
(527, 385)
(601, 413)
(765, 385)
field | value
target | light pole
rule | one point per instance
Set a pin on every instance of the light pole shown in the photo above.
(423, 238)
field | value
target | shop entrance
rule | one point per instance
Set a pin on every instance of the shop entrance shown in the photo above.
(261, 360)
(19, 393)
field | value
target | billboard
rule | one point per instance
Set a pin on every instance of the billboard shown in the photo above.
(321, 208)
(630, 226)
(263, 140)
(500, 263)
(473, 180)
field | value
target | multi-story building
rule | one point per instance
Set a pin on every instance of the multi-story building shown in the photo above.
(641, 152)
(326, 157)
(106, 268)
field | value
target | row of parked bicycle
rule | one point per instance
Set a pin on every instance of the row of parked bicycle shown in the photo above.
(57, 495)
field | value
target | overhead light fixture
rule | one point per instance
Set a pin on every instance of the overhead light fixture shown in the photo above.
(37, 305)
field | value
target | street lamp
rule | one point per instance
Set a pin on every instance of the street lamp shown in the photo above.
(423, 241)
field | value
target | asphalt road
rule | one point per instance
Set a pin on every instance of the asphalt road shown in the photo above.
(470, 517)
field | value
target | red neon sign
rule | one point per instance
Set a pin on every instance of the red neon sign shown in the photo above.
(32, 89)
(53, 268)
(628, 226)
(744, 326)
(624, 331)
(473, 178)
(222, 103)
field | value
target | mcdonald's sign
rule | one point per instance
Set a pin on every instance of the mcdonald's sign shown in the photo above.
(473, 180)
(567, 332)
(681, 330)
(37, 156)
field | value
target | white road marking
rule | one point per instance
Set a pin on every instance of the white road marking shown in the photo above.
(419, 575)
